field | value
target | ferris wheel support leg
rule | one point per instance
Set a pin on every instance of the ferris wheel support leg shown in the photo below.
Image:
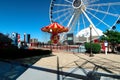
(68, 25)
(93, 26)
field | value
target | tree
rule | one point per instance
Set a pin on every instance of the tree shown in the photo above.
(4, 39)
(112, 37)
(49, 42)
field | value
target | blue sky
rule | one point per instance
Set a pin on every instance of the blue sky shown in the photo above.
(26, 16)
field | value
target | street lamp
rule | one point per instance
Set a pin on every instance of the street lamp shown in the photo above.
(91, 54)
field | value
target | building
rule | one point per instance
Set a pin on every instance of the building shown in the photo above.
(84, 35)
(34, 42)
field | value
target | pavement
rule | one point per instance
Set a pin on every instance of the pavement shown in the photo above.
(62, 65)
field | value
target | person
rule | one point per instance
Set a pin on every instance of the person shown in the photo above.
(106, 44)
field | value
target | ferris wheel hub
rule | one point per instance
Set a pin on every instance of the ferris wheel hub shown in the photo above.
(76, 3)
(79, 5)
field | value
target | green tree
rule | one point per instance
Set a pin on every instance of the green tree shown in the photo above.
(4, 39)
(96, 47)
(112, 37)
(49, 42)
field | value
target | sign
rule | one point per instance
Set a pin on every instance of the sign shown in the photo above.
(105, 43)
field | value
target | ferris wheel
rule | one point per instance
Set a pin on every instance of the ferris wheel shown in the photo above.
(80, 14)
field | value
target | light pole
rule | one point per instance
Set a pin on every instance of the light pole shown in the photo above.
(91, 54)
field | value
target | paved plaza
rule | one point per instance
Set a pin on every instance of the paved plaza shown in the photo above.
(63, 65)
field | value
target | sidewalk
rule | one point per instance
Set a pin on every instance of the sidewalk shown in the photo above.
(69, 66)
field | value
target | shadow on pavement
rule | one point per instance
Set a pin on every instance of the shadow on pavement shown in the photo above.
(14, 62)
(94, 74)
(70, 75)
(22, 53)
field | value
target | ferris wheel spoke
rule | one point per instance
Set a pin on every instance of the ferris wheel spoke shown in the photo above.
(68, 1)
(60, 16)
(105, 4)
(104, 12)
(93, 26)
(107, 10)
(98, 19)
(66, 18)
(70, 29)
(90, 2)
(73, 23)
(78, 25)
(62, 5)
(83, 20)
(62, 10)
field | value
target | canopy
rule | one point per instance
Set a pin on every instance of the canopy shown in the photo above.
(54, 28)
(86, 32)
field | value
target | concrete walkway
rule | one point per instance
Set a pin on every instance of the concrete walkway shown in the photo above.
(74, 66)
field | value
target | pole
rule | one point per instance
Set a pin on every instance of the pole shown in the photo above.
(91, 54)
